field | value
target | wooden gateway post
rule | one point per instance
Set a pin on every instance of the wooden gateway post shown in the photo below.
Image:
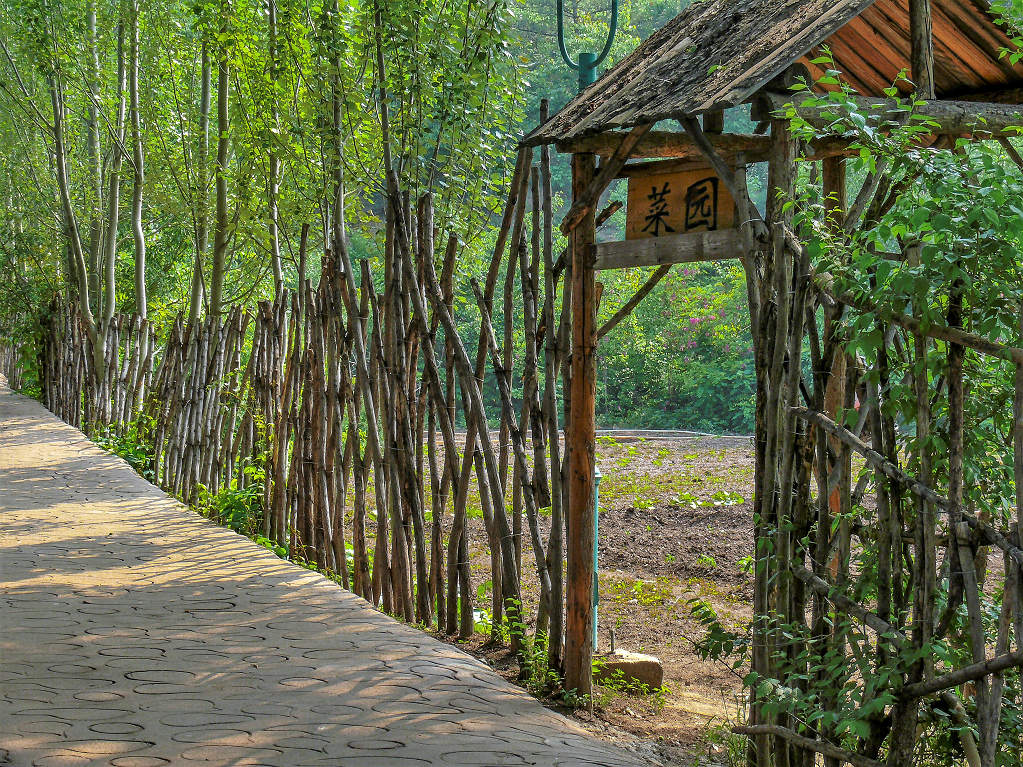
(688, 202)
(581, 438)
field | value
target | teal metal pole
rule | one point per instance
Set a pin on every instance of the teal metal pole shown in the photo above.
(587, 66)
(588, 62)
(587, 70)
(596, 522)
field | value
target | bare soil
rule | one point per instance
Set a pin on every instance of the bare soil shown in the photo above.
(675, 526)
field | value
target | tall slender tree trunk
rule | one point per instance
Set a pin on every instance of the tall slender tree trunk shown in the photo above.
(220, 233)
(202, 193)
(114, 194)
(92, 150)
(274, 160)
(138, 159)
(74, 235)
(337, 222)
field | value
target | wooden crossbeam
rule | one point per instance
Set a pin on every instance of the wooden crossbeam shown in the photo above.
(671, 144)
(825, 283)
(679, 146)
(671, 249)
(820, 746)
(633, 302)
(988, 533)
(955, 118)
(653, 167)
(965, 674)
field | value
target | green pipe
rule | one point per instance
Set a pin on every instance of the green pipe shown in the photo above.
(588, 62)
(587, 67)
(587, 70)
(596, 519)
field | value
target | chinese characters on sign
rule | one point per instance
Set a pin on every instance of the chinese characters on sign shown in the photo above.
(702, 204)
(661, 204)
(656, 219)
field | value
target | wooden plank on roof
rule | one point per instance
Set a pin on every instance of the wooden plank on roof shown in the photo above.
(670, 249)
(884, 16)
(817, 72)
(792, 49)
(854, 64)
(896, 40)
(961, 64)
(975, 23)
(712, 55)
(886, 58)
(948, 33)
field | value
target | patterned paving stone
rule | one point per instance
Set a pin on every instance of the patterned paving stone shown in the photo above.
(135, 634)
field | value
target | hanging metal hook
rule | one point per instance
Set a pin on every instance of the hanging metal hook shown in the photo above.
(588, 62)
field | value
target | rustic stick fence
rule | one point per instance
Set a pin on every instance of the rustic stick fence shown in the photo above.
(329, 421)
(827, 620)
(11, 366)
(74, 389)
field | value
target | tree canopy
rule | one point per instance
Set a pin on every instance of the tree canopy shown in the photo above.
(181, 157)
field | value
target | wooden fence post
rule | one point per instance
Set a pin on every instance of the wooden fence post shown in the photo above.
(581, 436)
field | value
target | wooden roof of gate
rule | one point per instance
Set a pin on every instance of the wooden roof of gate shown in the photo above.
(717, 53)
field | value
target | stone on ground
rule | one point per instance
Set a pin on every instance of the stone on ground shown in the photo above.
(632, 669)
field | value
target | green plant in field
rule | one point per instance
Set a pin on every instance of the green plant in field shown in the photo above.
(706, 560)
(534, 673)
(704, 587)
(32, 390)
(727, 498)
(276, 548)
(643, 503)
(617, 684)
(724, 747)
(690, 500)
(630, 453)
(687, 500)
(573, 699)
(662, 454)
(647, 593)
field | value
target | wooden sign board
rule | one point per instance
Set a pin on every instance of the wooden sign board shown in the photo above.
(661, 204)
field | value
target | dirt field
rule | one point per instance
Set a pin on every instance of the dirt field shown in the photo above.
(675, 526)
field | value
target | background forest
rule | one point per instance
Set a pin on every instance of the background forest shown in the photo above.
(184, 157)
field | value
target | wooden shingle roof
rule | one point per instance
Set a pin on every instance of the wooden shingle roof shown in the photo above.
(717, 53)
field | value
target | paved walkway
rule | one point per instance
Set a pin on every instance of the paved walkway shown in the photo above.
(135, 634)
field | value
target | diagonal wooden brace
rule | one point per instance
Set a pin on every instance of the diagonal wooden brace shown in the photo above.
(608, 173)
